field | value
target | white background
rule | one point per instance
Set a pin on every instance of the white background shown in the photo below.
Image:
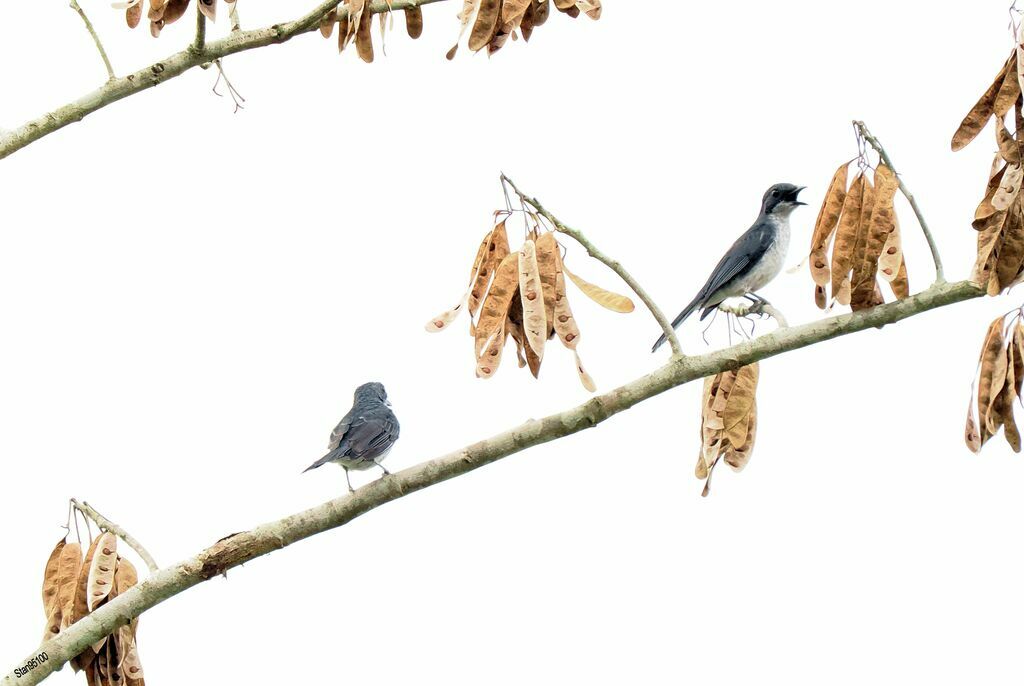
(189, 297)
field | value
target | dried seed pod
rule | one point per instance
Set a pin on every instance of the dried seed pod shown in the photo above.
(1008, 148)
(1009, 91)
(738, 457)
(548, 259)
(486, 24)
(101, 571)
(414, 22)
(364, 39)
(825, 226)
(512, 13)
(891, 259)
(1010, 259)
(979, 115)
(846, 236)
(604, 298)
(327, 23)
(173, 11)
(490, 359)
(971, 435)
(531, 292)
(67, 581)
(991, 355)
(739, 403)
(496, 304)
(585, 378)
(541, 10)
(564, 322)
(875, 233)
(133, 15)
(51, 579)
(1009, 187)
(209, 9)
(1010, 430)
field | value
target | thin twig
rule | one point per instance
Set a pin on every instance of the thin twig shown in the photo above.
(240, 548)
(199, 44)
(106, 525)
(863, 132)
(614, 265)
(236, 24)
(95, 39)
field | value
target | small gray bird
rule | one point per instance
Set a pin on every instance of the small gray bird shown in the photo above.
(365, 436)
(753, 260)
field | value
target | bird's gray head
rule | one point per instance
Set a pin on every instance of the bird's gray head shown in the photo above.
(781, 199)
(372, 391)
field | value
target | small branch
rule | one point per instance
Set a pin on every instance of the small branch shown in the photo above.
(240, 548)
(95, 39)
(862, 131)
(199, 44)
(233, 20)
(177, 64)
(763, 307)
(106, 525)
(614, 265)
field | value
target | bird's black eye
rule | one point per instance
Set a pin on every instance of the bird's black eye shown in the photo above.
(775, 194)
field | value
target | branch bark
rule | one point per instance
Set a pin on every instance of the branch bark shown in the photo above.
(614, 265)
(862, 131)
(106, 525)
(176, 65)
(243, 547)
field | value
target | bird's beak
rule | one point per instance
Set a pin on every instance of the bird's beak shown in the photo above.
(388, 403)
(793, 196)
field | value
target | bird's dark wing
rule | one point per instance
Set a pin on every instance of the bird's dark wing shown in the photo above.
(738, 260)
(371, 435)
(363, 434)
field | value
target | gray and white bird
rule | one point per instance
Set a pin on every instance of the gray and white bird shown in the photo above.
(753, 260)
(365, 435)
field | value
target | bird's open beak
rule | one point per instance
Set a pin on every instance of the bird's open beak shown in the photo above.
(793, 196)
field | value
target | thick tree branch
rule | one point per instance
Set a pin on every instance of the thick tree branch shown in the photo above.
(614, 265)
(95, 39)
(176, 65)
(243, 547)
(862, 131)
(106, 525)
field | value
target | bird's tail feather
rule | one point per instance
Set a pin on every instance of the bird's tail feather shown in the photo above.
(680, 318)
(329, 457)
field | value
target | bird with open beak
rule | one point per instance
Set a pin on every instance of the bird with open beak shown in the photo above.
(364, 436)
(753, 260)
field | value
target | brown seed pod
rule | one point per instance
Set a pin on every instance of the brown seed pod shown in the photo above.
(585, 378)
(67, 580)
(604, 298)
(101, 571)
(486, 24)
(209, 9)
(327, 23)
(496, 304)
(979, 115)
(414, 22)
(846, 235)
(51, 582)
(541, 10)
(564, 321)
(825, 226)
(490, 359)
(991, 355)
(364, 39)
(531, 293)
(548, 259)
(133, 15)
(875, 233)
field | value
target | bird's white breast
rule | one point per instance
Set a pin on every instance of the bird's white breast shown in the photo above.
(774, 258)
